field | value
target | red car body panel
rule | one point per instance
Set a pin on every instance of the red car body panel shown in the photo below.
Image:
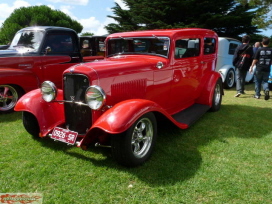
(29, 72)
(23, 78)
(92, 58)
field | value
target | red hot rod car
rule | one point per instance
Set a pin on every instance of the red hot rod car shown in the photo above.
(116, 101)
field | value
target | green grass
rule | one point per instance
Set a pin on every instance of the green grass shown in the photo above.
(225, 157)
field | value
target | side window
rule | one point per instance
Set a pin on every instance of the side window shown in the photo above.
(232, 48)
(85, 44)
(59, 43)
(188, 47)
(209, 46)
(85, 47)
(101, 47)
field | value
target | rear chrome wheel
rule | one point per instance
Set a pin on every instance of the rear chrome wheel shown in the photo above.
(9, 95)
(217, 96)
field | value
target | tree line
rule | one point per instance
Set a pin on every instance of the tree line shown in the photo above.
(229, 18)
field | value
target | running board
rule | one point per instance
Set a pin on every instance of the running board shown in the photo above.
(191, 114)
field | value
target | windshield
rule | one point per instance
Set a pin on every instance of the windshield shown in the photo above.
(27, 41)
(139, 45)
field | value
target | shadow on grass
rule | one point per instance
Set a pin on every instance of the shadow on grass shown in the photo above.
(176, 157)
(9, 117)
(248, 87)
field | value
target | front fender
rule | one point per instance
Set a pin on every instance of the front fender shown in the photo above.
(23, 78)
(121, 116)
(47, 114)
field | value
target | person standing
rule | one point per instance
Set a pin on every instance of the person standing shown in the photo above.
(242, 60)
(262, 59)
(257, 45)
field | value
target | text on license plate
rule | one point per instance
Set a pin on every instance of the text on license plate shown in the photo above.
(64, 135)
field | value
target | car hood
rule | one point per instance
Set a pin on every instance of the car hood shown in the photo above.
(119, 65)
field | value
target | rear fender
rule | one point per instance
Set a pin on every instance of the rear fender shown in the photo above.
(206, 96)
(48, 115)
(224, 71)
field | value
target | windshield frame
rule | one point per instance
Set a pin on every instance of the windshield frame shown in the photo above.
(160, 45)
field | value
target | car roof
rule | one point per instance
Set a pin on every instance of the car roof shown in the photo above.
(93, 36)
(46, 28)
(228, 39)
(165, 32)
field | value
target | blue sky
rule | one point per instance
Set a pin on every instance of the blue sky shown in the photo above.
(92, 14)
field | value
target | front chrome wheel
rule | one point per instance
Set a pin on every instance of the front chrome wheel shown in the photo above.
(135, 145)
(142, 137)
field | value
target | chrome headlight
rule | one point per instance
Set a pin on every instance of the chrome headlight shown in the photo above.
(95, 97)
(49, 91)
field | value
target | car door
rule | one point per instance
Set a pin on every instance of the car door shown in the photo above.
(56, 59)
(186, 68)
(208, 48)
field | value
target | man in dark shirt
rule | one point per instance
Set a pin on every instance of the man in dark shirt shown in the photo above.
(242, 60)
(262, 59)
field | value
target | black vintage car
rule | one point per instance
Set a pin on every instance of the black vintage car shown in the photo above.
(3, 47)
(92, 45)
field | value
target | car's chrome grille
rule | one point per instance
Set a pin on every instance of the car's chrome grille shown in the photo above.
(78, 118)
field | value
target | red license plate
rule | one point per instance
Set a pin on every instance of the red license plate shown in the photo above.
(64, 135)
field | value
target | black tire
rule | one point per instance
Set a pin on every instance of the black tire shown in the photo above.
(31, 124)
(9, 96)
(135, 145)
(230, 79)
(270, 86)
(217, 96)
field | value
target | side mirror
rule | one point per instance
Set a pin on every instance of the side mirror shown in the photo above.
(48, 49)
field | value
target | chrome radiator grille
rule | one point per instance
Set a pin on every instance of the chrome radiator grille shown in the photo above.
(78, 118)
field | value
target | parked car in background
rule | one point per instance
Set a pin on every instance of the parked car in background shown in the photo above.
(37, 54)
(116, 102)
(270, 79)
(226, 49)
(4, 47)
(92, 45)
